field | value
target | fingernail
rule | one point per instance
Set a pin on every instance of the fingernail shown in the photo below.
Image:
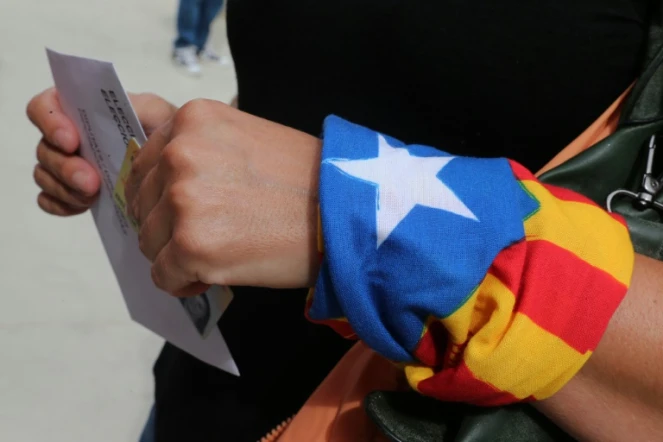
(81, 181)
(63, 139)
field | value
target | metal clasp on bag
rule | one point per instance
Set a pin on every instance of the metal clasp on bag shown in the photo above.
(650, 188)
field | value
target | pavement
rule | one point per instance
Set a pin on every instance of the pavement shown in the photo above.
(73, 366)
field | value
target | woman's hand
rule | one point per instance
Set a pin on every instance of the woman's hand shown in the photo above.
(226, 198)
(70, 184)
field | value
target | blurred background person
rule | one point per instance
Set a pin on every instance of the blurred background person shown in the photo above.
(194, 19)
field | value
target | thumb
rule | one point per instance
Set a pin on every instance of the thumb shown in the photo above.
(152, 110)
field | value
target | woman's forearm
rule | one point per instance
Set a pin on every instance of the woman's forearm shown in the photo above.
(618, 394)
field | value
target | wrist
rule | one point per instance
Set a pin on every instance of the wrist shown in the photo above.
(290, 175)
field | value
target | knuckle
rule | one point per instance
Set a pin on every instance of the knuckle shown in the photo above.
(50, 159)
(194, 110)
(193, 106)
(143, 100)
(44, 204)
(194, 248)
(52, 207)
(206, 275)
(206, 254)
(151, 99)
(41, 152)
(145, 237)
(56, 190)
(187, 112)
(61, 194)
(180, 195)
(183, 245)
(41, 178)
(37, 175)
(142, 239)
(141, 96)
(189, 247)
(155, 274)
(175, 154)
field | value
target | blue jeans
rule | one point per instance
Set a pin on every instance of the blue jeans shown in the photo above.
(148, 431)
(193, 21)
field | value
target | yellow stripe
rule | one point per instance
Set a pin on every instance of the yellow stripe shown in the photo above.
(486, 315)
(416, 374)
(577, 227)
(458, 323)
(505, 349)
(527, 361)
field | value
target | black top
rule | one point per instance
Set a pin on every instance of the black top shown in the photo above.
(475, 77)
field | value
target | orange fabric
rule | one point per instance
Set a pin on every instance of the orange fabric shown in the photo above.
(334, 413)
(600, 129)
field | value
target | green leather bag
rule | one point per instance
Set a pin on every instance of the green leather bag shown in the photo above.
(619, 173)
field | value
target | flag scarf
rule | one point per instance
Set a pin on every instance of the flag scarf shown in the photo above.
(487, 285)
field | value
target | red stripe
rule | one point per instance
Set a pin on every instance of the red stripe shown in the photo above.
(432, 346)
(569, 195)
(343, 328)
(565, 295)
(508, 266)
(521, 173)
(460, 385)
(560, 193)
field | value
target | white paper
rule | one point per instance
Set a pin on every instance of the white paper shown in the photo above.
(92, 96)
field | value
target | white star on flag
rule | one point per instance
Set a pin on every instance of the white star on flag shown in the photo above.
(403, 181)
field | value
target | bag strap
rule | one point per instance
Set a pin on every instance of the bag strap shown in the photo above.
(602, 128)
(641, 103)
(645, 103)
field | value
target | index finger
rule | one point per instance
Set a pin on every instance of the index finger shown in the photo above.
(45, 112)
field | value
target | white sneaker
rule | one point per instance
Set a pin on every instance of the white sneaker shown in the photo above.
(210, 56)
(186, 58)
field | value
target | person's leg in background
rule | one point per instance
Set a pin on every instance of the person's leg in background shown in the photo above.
(188, 19)
(209, 10)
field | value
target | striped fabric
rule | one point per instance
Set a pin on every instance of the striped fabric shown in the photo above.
(489, 286)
